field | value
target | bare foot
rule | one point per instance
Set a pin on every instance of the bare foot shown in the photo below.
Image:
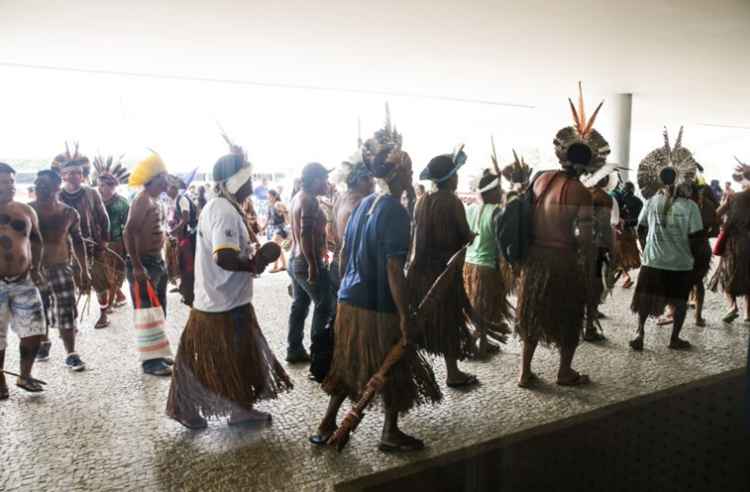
(527, 380)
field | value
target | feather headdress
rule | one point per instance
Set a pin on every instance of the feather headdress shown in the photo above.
(741, 172)
(677, 158)
(71, 159)
(110, 167)
(517, 172)
(582, 133)
(382, 153)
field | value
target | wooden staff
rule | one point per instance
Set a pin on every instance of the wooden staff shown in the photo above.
(28, 378)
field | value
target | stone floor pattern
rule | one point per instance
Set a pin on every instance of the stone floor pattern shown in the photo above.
(105, 429)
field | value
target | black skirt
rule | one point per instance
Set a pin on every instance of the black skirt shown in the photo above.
(656, 289)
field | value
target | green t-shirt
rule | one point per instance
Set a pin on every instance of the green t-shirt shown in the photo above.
(667, 244)
(483, 251)
(117, 209)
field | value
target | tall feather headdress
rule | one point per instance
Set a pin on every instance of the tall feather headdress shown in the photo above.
(110, 167)
(677, 158)
(582, 133)
(741, 172)
(384, 143)
(517, 172)
(71, 158)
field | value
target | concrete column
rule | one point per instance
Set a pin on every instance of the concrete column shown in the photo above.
(620, 109)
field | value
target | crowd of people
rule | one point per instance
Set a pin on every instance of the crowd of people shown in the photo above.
(395, 274)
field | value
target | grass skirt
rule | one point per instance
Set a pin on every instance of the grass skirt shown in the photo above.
(223, 364)
(486, 289)
(442, 330)
(551, 298)
(627, 255)
(733, 274)
(363, 338)
(656, 289)
(510, 278)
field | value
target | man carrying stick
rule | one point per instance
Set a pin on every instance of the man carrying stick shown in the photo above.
(373, 314)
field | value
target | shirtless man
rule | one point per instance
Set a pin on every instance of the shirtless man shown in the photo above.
(144, 241)
(310, 277)
(94, 227)
(20, 259)
(59, 225)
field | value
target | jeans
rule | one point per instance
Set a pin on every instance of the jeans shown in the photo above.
(321, 294)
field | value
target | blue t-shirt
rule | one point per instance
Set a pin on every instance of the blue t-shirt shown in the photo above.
(371, 237)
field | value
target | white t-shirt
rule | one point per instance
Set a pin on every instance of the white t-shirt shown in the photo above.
(220, 226)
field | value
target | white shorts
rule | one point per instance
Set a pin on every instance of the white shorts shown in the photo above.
(21, 309)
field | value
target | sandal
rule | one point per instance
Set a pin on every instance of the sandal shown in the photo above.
(700, 323)
(469, 380)
(321, 439)
(578, 380)
(594, 336)
(30, 384)
(4, 393)
(628, 284)
(679, 344)
(101, 324)
(408, 444)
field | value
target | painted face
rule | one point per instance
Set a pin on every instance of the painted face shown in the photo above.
(7, 187)
(46, 187)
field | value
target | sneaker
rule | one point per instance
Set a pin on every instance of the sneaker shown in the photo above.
(157, 367)
(74, 363)
(43, 353)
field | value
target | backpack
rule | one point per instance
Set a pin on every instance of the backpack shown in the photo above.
(513, 227)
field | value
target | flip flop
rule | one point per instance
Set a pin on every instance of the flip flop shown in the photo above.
(579, 380)
(469, 380)
(4, 393)
(731, 316)
(594, 337)
(193, 423)
(664, 321)
(320, 439)
(700, 323)
(29, 384)
(628, 284)
(99, 325)
(249, 420)
(409, 444)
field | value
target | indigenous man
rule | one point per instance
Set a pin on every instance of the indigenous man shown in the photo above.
(183, 229)
(673, 225)
(518, 174)
(556, 283)
(20, 262)
(483, 280)
(373, 313)
(109, 174)
(224, 364)
(359, 184)
(307, 267)
(440, 231)
(604, 207)
(627, 255)
(144, 241)
(94, 223)
(733, 274)
(60, 226)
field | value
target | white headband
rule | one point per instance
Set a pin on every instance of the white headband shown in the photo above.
(492, 184)
(235, 182)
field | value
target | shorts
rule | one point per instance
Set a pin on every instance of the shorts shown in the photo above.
(59, 298)
(21, 309)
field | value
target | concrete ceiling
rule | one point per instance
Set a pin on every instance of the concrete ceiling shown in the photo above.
(689, 57)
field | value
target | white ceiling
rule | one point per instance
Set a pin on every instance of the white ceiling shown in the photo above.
(688, 57)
